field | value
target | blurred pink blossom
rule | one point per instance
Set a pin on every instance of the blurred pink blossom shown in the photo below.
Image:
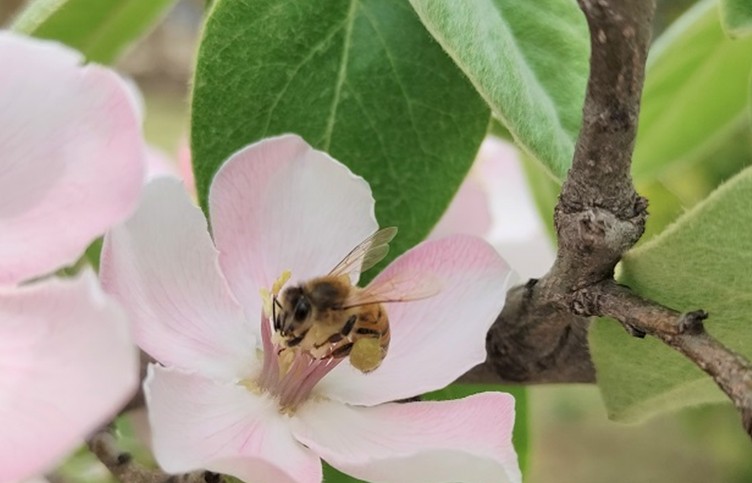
(220, 399)
(495, 202)
(70, 167)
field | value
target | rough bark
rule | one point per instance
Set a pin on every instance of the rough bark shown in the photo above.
(541, 334)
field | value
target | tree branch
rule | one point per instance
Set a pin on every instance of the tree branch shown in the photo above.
(541, 334)
(103, 444)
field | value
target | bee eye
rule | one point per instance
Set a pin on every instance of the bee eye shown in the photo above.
(302, 309)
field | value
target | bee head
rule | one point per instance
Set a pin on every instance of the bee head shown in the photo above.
(294, 315)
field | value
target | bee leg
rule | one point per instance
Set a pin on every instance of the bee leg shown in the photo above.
(343, 351)
(348, 327)
(332, 340)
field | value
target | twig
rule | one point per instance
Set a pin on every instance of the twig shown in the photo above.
(103, 444)
(541, 334)
(685, 333)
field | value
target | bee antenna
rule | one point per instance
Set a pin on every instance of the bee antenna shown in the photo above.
(275, 304)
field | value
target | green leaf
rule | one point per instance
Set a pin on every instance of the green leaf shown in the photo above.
(696, 94)
(333, 475)
(701, 261)
(736, 16)
(499, 130)
(665, 207)
(361, 79)
(529, 61)
(100, 29)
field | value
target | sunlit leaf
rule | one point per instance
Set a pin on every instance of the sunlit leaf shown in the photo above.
(696, 94)
(701, 262)
(362, 80)
(101, 29)
(529, 61)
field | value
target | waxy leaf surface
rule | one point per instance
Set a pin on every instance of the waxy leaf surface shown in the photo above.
(529, 61)
(360, 79)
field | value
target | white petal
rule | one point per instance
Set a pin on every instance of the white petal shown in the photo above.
(435, 340)
(281, 205)
(67, 365)
(161, 265)
(468, 213)
(428, 442)
(517, 231)
(71, 156)
(202, 424)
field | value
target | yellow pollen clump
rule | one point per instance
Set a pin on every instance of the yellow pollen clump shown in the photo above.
(266, 301)
(365, 354)
(281, 281)
(251, 386)
(266, 294)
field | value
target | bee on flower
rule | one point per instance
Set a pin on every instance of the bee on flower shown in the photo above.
(270, 355)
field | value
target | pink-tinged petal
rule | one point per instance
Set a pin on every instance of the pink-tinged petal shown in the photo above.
(281, 205)
(72, 155)
(531, 258)
(161, 265)
(198, 424)
(185, 167)
(431, 442)
(437, 339)
(67, 365)
(469, 212)
(517, 231)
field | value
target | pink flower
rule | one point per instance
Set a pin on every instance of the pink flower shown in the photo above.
(70, 167)
(218, 399)
(495, 202)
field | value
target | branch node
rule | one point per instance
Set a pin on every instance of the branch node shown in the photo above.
(692, 322)
(124, 459)
(634, 331)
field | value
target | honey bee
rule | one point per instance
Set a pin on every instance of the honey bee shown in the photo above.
(329, 316)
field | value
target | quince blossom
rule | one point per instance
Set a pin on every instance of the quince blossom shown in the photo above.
(71, 158)
(218, 398)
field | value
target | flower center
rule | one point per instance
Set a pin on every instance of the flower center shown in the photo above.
(288, 373)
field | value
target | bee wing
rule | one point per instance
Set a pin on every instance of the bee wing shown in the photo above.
(367, 254)
(401, 287)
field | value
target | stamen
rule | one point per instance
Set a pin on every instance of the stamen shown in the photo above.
(268, 297)
(289, 374)
(281, 281)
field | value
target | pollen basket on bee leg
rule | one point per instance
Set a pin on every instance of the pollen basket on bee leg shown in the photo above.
(366, 354)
